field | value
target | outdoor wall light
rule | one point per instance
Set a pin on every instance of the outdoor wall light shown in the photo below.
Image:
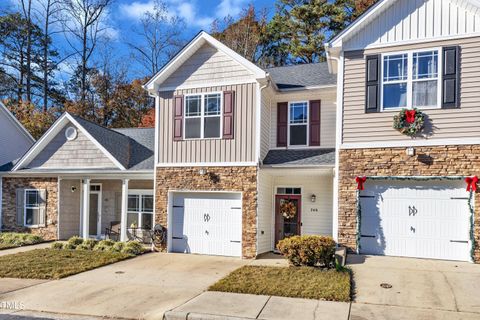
(202, 172)
(314, 198)
(410, 151)
(74, 189)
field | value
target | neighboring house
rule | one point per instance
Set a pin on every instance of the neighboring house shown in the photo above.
(80, 178)
(404, 54)
(237, 146)
(14, 138)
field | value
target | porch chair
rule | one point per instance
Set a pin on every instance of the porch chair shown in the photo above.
(113, 232)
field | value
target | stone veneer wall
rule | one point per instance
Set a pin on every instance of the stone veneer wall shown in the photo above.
(9, 214)
(428, 161)
(242, 179)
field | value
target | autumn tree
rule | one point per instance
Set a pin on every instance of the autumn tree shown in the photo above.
(35, 120)
(244, 35)
(148, 119)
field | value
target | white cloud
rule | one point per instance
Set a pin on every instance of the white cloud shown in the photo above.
(187, 10)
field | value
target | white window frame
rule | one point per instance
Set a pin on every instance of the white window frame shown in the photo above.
(30, 207)
(141, 194)
(298, 124)
(202, 115)
(410, 80)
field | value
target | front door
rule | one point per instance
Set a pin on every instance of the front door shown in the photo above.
(287, 216)
(94, 217)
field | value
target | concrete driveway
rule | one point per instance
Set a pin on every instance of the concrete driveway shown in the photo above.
(144, 287)
(421, 289)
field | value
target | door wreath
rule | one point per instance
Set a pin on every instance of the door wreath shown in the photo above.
(288, 209)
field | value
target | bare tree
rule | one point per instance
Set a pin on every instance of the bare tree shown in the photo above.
(49, 14)
(85, 24)
(26, 6)
(159, 38)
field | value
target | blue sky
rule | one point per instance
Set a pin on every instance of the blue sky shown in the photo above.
(124, 15)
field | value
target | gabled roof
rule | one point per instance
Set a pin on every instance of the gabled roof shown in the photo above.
(200, 39)
(15, 121)
(302, 76)
(377, 9)
(128, 149)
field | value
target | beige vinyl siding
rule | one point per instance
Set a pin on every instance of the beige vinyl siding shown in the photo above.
(266, 122)
(264, 212)
(78, 153)
(207, 65)
(239, 149)
(359, 127)
(69, 208)
(327, 114)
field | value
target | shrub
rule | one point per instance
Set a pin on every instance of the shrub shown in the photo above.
(104, 245)
(73, 242)
(133, 248)
(118, 246)
(88, 244)
(69, 246)
(57, 246)
(19, 239)
(315, 251)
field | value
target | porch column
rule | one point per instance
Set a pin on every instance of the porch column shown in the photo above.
(123, 220)
(85, 208)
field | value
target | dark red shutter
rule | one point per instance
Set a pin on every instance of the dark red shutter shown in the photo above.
(282, 124)
(228, 114)
(315, 123)
(177, 118)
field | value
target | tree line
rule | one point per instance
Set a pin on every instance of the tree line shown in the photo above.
(59, 55)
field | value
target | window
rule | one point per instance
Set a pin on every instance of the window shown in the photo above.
(298, 123)
(411, 80)
(283, 190)
(33, 208)
(140, 211)
(203, 116)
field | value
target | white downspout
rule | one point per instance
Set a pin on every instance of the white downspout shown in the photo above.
(1, 202)
(338, 143)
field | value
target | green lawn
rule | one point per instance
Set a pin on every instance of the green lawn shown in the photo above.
(296, 282)
(54, 264)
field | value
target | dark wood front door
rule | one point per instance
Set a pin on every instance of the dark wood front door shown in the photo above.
(287, 216)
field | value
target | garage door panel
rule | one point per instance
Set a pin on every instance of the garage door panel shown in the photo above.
(423, 219)
(210, 223)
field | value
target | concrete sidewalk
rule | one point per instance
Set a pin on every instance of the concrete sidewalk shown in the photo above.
(232, 306)
(43, 245)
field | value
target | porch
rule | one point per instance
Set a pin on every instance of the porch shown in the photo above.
(93, 207)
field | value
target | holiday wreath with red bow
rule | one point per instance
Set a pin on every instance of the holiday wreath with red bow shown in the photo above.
(409, 121)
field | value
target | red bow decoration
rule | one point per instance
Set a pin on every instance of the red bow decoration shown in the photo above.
(471, 183)
(360, 181)
(410, 116)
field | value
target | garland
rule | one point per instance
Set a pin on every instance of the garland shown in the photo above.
(409, 121)
(405, 178)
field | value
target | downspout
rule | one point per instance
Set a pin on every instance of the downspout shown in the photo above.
(1, 202)
(258, 140)
(338, 143)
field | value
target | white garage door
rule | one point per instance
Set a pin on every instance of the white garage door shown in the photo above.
(207, 223)
(424, 219)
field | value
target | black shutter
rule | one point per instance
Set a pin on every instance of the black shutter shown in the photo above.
(450, 77)
(372, 84)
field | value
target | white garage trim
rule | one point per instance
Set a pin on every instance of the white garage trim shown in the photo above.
(458, 179)
(170, 217)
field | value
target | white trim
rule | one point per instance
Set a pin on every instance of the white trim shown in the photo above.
(202, 115)
(25, 207)
(206, 84)
(1, 203)
(409, 81)
(206, 164)
(85, 208)
(141, 193)
(197, 41)
(50, 134)
(17, 123)
(307, 124)
(123, 217)
(59, 197)
(338, 142)
(274, 207)
(410, 143)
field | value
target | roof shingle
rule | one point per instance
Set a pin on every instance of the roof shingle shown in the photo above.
(301, 76)
(300, 157)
